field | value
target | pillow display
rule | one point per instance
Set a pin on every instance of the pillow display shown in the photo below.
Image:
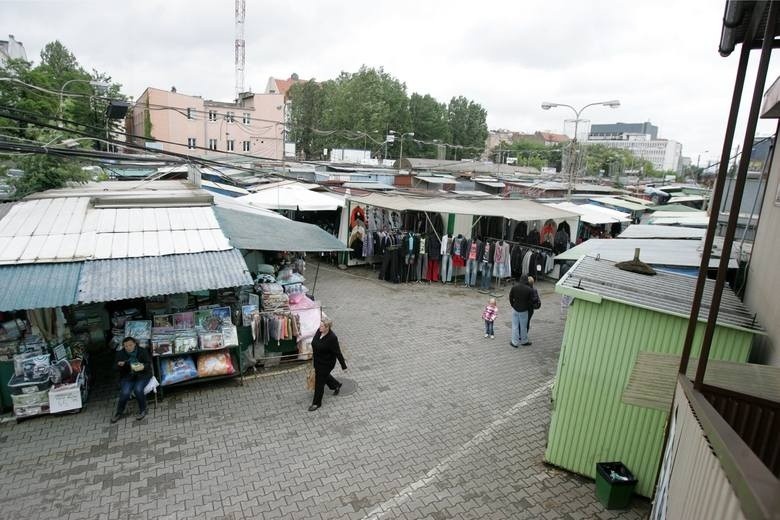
(177, 369)
(215, 364)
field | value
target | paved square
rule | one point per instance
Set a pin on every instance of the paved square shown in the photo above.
(443, 424)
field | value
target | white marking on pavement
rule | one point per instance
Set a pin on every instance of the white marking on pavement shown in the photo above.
(485, 435)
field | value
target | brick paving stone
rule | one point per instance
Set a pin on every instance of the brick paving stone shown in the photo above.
(434, 428)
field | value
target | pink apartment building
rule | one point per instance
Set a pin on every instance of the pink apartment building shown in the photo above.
(253, 125)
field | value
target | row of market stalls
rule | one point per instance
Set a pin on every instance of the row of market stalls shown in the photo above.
(420, 237)
(210, 284)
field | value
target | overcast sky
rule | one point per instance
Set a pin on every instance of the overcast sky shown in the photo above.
(658, 57)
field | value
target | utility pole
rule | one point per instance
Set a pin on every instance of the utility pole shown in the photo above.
(240, 46)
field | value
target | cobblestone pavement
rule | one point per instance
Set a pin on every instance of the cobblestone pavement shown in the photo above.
(442, 424)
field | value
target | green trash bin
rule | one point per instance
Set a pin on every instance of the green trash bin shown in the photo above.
(614, 484)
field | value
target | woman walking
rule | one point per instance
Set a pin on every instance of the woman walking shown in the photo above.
(326, 350)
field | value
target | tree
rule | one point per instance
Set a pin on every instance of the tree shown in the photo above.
(529, 152)
(467, 122)
(429, 124)
(44, 172)
(308, 103)
(82, 109)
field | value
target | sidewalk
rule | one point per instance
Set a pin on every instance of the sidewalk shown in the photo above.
(443, 423)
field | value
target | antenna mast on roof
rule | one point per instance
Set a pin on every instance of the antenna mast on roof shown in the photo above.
(240, 46)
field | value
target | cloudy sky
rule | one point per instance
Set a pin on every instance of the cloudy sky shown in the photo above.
(659, 57)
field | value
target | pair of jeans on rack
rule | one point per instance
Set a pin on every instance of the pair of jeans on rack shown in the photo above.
(486, 271)
(446, 268)
(471, 272)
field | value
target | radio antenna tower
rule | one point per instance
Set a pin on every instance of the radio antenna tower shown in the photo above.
(240, 46)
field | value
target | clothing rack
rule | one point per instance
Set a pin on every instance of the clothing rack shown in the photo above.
(522, 244)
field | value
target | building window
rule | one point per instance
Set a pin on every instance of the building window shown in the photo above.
(229, 117)
(212, 115)
(190, 111)
(246, 118)
(212, 144)
(231, 145)
(191, 143)
(245, 146)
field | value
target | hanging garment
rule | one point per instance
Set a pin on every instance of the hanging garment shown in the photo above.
(502, 267)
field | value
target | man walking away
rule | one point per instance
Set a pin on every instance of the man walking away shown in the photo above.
(521, 299)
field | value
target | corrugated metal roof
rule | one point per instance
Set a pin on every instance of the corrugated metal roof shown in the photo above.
(651, 231)
(667, 293)
(5, 208)
(619, 203)
(119, 279)
(68, 228)
(38, 286)
(249, 230)
(671, 252)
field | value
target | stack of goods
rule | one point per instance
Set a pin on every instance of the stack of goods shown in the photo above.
(119, 320)
(273, 297)
(47, 380)
(182, 338)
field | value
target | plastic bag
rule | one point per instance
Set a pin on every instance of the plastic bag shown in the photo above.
(310, 378)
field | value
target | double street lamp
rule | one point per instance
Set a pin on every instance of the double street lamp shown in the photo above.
(614, 103)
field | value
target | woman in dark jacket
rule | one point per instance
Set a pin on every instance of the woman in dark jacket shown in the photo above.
(135, 371)
(326, 349)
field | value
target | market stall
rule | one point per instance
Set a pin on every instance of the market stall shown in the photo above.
(420, 238)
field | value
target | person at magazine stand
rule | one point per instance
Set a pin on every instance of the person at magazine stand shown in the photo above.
(326, 351)
(135, 371)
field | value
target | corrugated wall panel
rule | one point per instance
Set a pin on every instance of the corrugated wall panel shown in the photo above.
(590, 423)
(698, 486)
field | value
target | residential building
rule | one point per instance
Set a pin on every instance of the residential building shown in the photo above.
(282, 86)
(664, 154)
(11, 49)
(190, 124)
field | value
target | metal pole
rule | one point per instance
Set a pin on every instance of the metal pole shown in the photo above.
(717, 194)
(739, 187)
(401, 154)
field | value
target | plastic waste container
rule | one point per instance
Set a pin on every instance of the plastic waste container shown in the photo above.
(614, 484)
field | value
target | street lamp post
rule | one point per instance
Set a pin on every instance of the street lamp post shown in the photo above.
(572, 148)
(401, 152)
(94, 83)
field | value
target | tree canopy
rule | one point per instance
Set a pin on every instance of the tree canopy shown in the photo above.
(361, 109)
(82, 108)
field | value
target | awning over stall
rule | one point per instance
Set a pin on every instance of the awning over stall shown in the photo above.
(516, 209)
(291, 198)
(38, 286)
(248, 229)
(592, 214)
(124, 278)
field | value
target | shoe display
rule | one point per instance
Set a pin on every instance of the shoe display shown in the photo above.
(313, 407)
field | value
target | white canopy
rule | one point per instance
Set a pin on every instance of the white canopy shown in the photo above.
(592, 214)
(292, 197)
(516, 209)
